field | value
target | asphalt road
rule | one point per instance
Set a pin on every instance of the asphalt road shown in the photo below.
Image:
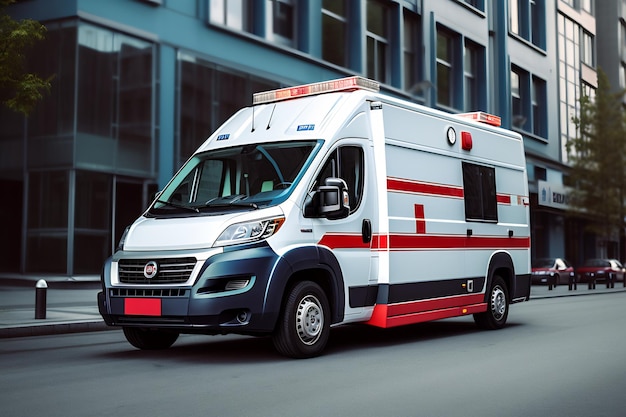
(558, 357)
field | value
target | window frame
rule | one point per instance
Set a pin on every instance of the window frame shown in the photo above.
(272, 22)
(343, 21)
(334, 164)
(377, 68)
(527, 20)
(480, 194)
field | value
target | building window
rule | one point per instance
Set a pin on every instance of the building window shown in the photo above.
(335, 32)
(445, 68)
(377, 41)
(519, 119)
(281, 20)
(570, 53)
(539, 104)
(208, 96)
(477, 4)
(587, 49)
(234, 14)
(470, 76)
(527, 19)
(55, 56)
(541, 173)
(460, 72)
(479, 190)
(411, 49)
(115, 100)
(528, 102)
(47, 221)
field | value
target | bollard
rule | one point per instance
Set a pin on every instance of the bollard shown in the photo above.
(572, 283)
(41, 289)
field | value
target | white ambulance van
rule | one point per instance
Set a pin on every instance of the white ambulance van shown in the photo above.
(327, 204)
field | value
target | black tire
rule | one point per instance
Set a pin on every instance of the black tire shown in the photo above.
(149, 339)
(497, 306)
(304, 324)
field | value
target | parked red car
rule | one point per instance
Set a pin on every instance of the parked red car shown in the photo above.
(553, 271)
(598, 270)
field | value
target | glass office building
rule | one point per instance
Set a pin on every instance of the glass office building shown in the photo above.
(138, 85)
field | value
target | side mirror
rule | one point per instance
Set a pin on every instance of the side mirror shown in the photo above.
(330, 200)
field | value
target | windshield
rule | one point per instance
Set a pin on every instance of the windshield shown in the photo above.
(237, 178)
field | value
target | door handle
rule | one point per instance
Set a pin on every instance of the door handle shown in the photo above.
(366, 231)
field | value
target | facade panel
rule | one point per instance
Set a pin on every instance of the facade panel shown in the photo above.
(140, 84)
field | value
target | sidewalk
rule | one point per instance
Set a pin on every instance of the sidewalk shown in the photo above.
(78, 311)
(70, 308)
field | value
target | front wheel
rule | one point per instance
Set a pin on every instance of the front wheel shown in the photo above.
(303, 327)
(149, 339)
(497, 306)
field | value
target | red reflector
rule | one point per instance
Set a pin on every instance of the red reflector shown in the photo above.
(466, 141)
(142, 306)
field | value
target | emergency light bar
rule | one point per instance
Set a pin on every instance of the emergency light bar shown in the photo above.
(482, 117)
(342, 84)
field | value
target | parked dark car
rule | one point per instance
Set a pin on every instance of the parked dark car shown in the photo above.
(599, 270)
(553, 271)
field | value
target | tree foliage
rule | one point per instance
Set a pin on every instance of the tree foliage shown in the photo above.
(598, 160)
(19, 90)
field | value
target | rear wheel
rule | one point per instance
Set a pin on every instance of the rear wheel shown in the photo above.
(497, 306)
(303, 327)
(149, 339)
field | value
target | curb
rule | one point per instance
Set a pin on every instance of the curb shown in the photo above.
(54, 328)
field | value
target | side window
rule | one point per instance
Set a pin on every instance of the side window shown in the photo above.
(479, 185)
(347, 163)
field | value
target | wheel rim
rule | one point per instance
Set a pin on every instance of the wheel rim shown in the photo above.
(498, 303)
(309, 320)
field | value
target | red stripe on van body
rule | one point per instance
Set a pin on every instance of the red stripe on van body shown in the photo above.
(401, 242)
(422, 242)
(391, 315)
(344, 241)
(442, 190)
(407, 186)
(503, 199)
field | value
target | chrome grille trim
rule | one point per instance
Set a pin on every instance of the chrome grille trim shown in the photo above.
(170, 271)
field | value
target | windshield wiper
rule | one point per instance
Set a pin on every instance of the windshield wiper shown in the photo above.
(230, 201)
(180, 206)
(233, 204)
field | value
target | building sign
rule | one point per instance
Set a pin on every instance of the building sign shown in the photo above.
(553, 195)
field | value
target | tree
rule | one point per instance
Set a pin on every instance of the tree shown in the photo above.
(19, 91)
(598, 161)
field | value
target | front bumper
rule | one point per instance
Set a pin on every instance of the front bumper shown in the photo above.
(227, 296)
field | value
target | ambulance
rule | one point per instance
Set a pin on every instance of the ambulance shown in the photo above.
(327, 204)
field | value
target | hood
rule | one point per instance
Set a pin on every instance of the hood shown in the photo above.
(150, 234)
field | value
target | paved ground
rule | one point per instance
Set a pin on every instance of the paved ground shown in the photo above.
(71, 304)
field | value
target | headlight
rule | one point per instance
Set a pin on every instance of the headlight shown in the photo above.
(249, 231)
(120, 246)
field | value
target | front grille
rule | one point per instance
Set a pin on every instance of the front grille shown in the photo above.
(169, 270)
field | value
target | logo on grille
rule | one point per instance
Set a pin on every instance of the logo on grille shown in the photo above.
(150, 270)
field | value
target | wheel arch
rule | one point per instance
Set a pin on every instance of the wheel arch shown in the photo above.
(501, 265)
(312, 263)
